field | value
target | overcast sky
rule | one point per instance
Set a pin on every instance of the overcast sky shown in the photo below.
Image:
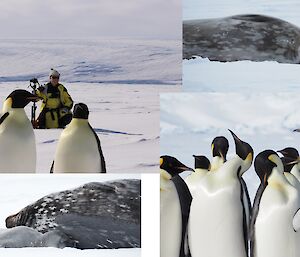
(157, 19)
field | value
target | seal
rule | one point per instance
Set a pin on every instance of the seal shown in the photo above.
(22, 236)
(242, 37)
(96, 215)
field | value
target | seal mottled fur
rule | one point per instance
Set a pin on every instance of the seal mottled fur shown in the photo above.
(242, 37)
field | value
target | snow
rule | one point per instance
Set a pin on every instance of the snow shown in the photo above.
(201, 74)
(190, 121)
(21, 190)
(68, 252)
(109, 61)
(120, 81)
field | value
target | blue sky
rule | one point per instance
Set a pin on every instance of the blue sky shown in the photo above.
(155, 19)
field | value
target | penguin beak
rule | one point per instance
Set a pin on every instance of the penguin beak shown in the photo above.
(295, 161)
(184, 168)
(222, 156)
(242, 149)
(282, 152)
(296, 130)
(33, 98)
(235, 137)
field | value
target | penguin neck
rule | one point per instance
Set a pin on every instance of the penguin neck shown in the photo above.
(296, 171)
(165, 179)
(198, 171)
(19, 113)
(7, 105)
(164, 175)
(277, 178)
(231, 167)
(287, 186)
(216, 163)
(291, 179)
(79, 122)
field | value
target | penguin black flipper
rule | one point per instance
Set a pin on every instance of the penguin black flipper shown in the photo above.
(103, 166)
(255, 210)
(185, 199)
(245, 198)
(52, 167)
(3, 117)
(296, 221)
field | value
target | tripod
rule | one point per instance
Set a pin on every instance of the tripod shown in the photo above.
(33, 84)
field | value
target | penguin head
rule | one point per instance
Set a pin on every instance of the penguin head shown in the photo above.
(289, 152)
(290, 158)
(20, 98)
(243, 151)
(81, 111)
(172, 165)
(264, 164)
(219, 147)
(201, 162)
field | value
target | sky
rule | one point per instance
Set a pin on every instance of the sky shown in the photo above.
(144, 19)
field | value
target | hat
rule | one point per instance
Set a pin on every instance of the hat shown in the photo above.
(54, 73)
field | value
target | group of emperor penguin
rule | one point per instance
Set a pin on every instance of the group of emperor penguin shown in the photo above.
(78, 148)
(209, 213)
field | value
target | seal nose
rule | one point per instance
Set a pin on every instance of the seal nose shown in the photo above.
(9, 221)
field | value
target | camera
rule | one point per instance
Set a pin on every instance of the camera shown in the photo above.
(34, 81)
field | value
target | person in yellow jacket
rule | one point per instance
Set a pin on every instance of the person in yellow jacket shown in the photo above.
(57, 104)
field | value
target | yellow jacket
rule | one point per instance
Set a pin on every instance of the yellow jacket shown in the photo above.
(56, 103)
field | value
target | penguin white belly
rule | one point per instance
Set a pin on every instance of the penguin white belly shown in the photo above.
(216, 222)
(274, 233)
(77, 151)
(193, 181)
(170, 222)
(17, 145)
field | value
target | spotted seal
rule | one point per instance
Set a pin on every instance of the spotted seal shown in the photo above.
(242, 37)
(95, 215)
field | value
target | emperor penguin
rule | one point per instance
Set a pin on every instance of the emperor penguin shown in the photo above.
(175, 200)
(219, 149)
(220, 211)
(79, 149)
(291, 161)
(202, 166)
(17, 139)
(274, 231)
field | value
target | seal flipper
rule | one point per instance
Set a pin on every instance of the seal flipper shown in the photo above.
(3, 117)
(103, 166)
(185, 199)
(296, 221)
